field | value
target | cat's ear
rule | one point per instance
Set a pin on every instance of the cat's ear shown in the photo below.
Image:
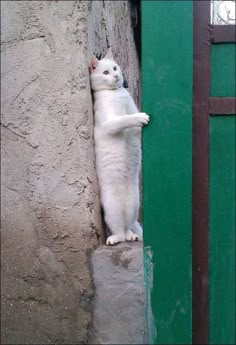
(93, 64)
(109, 54)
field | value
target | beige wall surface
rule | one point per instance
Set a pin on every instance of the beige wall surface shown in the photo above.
(51, 221)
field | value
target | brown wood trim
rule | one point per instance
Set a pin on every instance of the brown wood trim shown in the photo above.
(222, 106)
(222, 33)
(200, 207)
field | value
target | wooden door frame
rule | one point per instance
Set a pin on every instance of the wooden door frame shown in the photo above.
(205, 34)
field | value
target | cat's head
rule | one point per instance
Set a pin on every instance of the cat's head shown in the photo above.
(105, 74)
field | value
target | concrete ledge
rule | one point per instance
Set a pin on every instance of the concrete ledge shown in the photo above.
(119, 312)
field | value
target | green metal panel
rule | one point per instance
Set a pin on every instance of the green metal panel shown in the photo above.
(222, 230)
(167, 60)
(223, 70)
(222, 201)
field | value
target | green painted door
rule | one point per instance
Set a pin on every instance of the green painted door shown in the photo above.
(168, 88)
(167, 162)
(222, 200)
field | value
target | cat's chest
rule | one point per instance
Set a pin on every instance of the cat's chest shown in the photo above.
(114, 102)
(118, 103)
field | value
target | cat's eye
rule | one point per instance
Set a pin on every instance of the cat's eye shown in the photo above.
(106, 72)
(115, 68)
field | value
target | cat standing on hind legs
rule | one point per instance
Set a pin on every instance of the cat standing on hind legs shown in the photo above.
(117, 137)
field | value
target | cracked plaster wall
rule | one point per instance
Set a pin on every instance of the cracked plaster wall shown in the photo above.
(50, 207)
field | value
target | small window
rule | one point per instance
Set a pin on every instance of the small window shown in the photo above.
(223, 12)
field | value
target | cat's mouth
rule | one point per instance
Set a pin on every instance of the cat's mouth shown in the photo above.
(118, 82)
(115, 87)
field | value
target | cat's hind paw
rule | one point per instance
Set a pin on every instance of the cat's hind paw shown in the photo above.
(114, 239)
(137, 229)
(131, 236)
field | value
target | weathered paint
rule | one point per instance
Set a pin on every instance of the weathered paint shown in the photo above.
(167, 163)
(150, 327)
(222, 230)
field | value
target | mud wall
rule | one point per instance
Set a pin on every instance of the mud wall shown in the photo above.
(51, 219)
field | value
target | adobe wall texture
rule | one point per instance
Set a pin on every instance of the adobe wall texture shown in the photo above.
(119, 302)
(51, 220)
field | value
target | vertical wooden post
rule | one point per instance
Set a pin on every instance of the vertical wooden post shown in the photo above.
(200, 201)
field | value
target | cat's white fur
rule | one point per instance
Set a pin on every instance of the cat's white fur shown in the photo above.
(118, 149)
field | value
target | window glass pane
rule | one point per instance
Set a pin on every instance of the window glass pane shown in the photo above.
(223, 12)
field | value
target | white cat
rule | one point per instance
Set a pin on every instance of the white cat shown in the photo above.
(118, 149)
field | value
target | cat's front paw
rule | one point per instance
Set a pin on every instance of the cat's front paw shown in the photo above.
(114, 239)
(142, 119)
(131, 236)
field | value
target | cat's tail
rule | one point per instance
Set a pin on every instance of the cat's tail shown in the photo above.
(137, 229)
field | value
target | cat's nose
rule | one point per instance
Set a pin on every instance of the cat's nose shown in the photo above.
(116, 76)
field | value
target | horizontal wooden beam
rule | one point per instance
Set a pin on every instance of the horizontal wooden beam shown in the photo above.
(222, 33)
(222, 106)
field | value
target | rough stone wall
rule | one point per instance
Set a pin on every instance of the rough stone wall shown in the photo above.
(119, 302)
(110, 25)
(50, 207)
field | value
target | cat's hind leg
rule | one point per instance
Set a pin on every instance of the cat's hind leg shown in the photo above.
(114, 215)
(132, 232)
